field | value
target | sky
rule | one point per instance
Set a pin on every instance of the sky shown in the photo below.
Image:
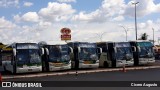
(89, 20)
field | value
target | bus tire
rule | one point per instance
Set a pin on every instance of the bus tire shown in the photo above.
(4, 68)
(14, 70)
(105, 64)
(114, 63)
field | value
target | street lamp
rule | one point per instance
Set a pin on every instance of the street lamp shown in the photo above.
(100, 35)
(135, 3)
(125, 31)
(153, 35)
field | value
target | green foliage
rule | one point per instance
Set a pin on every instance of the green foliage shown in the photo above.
(144, 36)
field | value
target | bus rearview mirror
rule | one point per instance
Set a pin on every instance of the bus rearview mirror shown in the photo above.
(134, 49)
(42, 49)
(99, 50)
(47, 51)
(139, 49)
(14, 51)
(71, 49)
(79, 49)
(115, 49)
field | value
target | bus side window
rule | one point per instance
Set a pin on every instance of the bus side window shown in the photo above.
(0, 60)
(12, 58)
(76, 54)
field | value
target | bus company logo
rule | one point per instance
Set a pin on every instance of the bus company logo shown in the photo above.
(6, 84)
(65, 31)
(65, 34)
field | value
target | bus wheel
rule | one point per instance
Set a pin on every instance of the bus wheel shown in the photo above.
(105, 64)
(14, 70)
(4, 68)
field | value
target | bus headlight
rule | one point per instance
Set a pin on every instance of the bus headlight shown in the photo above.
(94, 57)
(65, 58)
(128, 57)
(149, 55)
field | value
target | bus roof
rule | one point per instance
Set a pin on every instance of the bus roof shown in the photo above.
(80, 42)
(140, 41)
(56, 42)
(111, 42)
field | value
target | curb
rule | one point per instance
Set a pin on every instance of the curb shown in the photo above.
(79, 72)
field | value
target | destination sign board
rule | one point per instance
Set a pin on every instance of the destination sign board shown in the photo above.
(27, 46)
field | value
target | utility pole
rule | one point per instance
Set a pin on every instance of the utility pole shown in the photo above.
(100, 35)
(125, 31)
(153, 35)
(135, 3)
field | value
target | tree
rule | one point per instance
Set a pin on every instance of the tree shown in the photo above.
(143, 36)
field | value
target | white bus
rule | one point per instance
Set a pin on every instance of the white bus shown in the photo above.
(85, 55)
(56, 56)
(116, 54)
(22, 58)
(144, 53)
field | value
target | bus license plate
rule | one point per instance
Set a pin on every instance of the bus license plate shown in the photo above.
(61, 68)
(87, 62)
(29, 69)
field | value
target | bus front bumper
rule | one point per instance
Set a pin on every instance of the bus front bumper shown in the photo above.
(65, 67)
(82, 65)
(121, 63)
(151, 60)
(143, 61)
(28, 69)
(129, 63)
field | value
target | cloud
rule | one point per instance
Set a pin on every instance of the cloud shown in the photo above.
(9, 3)
(6, 25)
(84, 25)
(117, 10)
(27, 4)
(30, 17)
(7, 29)
(56, 11)
(144, 7)
(27, 17)
(106, 12)
(66, 1)
(118, 18)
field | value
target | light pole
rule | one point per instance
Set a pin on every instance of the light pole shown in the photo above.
(125, 31)
(100, 35)
(135, 3)
(153, 35)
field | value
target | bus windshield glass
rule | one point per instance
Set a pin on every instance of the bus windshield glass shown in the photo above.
(25, 56)
(146, 49)
(58, 53)
(86, 53)
(123, 49)
(122, 52)
(28, 53)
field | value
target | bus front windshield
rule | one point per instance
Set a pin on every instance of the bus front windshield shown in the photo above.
(28, 56)
(124, 53)
(146, 49)
(59, 53)
(88, 53)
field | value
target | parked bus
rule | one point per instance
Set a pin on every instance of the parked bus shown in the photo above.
(56, 56)
(85, 55)
(116, 54)
(22, 58)
(144, 52)
(1, 46)
(157, 52)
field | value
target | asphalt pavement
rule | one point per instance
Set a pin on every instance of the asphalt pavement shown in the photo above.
(134, 75)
